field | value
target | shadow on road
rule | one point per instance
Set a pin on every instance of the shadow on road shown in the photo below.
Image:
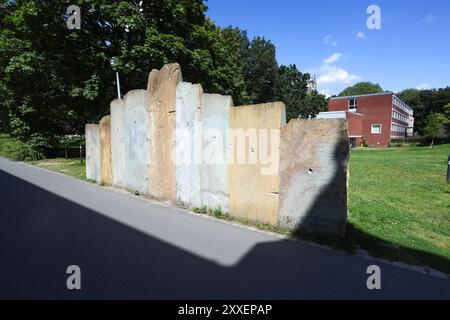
(42, 233)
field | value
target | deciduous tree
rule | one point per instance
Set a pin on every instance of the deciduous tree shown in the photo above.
(361, 88)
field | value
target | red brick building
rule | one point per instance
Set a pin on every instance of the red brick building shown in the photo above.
(376, 118)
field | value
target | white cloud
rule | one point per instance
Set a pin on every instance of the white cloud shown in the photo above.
(429, 18)
(330, 74)
(423, 86)
(359, 34)
(325, 92)
(330, 41)
(333, 58)
(331, 78)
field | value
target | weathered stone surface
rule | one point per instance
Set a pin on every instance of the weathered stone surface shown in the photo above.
(105, 145)
(214, 171)
(161, 91)
(174, 142)
(93, 160)
(189, 143)
(313, 177)
(117, 143)
(129, 141)
(254, 185)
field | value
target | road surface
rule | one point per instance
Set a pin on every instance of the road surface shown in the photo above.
(127, 247)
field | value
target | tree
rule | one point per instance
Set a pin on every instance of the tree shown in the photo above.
(229, 67)
(291, 87)
(50, 77)
(261, 69)
(446, 116)
(424, 103)
(312, 104)
(434, 125)
(361, 88)
(54, 80)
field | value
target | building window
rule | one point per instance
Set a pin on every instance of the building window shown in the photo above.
(399, 116)
(352, 104)
(398, 128)
(376, 128)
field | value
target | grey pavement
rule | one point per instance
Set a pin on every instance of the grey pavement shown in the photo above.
(132, 248)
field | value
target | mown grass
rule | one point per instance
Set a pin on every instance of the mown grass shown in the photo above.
(399, 204)
(70, 167)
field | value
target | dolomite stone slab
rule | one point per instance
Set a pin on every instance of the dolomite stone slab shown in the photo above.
(129, 141)
(214, 170)
(313, 177)
(189, 143)
(161, 95)
(105, 145)
(118, 143)
(253, 172)
(93, 158)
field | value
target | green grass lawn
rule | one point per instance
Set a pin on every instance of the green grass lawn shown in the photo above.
(399, 204)
(71, 167)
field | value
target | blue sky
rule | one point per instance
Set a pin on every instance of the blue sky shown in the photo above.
(329, 38)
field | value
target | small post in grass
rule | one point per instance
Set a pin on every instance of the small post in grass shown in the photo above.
(81, 153)
(448, 169)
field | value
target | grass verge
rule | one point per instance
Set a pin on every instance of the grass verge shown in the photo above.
(399, 204)
(70, 167)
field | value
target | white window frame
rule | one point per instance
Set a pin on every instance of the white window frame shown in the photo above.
(355, 107)
(376, 124)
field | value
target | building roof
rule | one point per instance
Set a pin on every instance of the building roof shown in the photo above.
(364, 95)
(372, 95)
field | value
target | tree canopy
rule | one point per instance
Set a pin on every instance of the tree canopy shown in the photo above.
(291, 88)
(361, 88)
(54, 80)
(424, 103)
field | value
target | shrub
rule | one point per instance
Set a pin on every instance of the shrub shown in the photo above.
(217, 212)
(38, 142)
(15, 149)
(418, 141)
(71, 141)
(9, 145)
(397, 142)
(26, 152)
(201, 210)
(364, 142)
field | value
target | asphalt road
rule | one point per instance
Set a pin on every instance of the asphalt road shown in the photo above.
(128, 247)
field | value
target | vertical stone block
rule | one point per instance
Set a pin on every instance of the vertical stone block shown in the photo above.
(161, 90)
(313, 177)
(117, 143)
(214, 171)
(189, 143)
(129, 141)
(253, 180)
(93, 159)
(105, 144)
